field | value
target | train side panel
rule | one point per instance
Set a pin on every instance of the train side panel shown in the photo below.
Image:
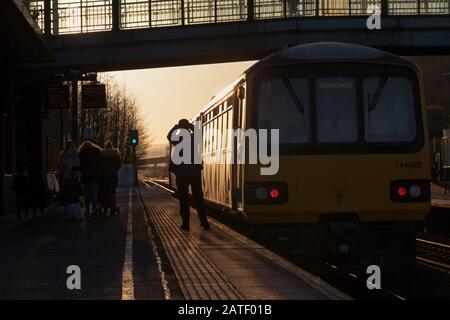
(216, 153)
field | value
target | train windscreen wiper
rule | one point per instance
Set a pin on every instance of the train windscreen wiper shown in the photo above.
(297, 101)
(378, 92)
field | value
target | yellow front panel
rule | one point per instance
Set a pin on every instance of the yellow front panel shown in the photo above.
(344, 183)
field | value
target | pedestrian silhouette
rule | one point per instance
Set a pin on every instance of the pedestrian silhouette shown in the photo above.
(110, 167)
(69, 179)
(91, 175)
(292, 4)
(38, 193)
(188, 174)
(21, 186)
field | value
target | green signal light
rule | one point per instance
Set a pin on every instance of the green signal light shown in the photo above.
(134, 137)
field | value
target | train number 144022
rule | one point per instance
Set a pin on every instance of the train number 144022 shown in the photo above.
(409, 164)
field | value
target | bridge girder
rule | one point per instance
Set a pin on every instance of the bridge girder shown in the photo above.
(237, 41)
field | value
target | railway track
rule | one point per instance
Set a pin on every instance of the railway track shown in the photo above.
(433, 254)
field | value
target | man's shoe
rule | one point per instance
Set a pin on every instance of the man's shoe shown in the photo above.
(206, 226)
(184, 227)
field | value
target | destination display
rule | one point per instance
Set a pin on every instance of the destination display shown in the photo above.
(93, 96)
(58, 97)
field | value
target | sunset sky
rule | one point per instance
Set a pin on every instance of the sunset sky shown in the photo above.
(166, 95)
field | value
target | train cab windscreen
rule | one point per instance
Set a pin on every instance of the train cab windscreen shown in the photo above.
(284, 104)
(372, 107)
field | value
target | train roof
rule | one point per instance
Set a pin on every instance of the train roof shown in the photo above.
(320, 52)
(220, 95)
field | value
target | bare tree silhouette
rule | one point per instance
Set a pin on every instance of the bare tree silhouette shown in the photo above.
(115, 122)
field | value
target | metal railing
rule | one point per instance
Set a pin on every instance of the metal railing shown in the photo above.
(37, 12)
(269, 9)
(144, 13)
(422, 7)
(79, 16)
(75, 16)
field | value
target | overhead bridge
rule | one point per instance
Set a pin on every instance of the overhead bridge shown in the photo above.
(104, 35)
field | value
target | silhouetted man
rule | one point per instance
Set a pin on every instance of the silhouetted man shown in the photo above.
(292, 5)
(188, 174)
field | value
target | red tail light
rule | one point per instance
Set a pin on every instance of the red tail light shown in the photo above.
(274, 193)
(402, 191)
(410, 191)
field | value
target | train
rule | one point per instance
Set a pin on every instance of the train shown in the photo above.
(354, 153)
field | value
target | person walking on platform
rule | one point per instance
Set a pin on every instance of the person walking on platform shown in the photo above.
(292, 4)
(110, 164)
(68, 175)
(91, 167)
(21, 186)
(188, 174)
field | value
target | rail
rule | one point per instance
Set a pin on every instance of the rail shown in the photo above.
(433, 254)
(82, 16)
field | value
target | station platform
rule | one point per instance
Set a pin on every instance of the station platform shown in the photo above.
(440, 200)
(142, 254)
(440, 196)
(222, 264)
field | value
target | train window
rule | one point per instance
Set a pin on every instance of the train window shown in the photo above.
(214, 135)
(230, 101)
(284, 105)
(219, 131)
(208, 131)
(216, 111)
(336, 110)
(205, 138)
(210, 137)
(389, 110)
(224, 129)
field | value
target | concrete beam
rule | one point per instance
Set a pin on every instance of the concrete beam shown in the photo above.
(201, 44)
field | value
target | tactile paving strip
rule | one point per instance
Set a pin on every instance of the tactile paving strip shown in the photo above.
(198, 277)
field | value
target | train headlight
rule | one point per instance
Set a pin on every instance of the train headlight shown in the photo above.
(415, 191)
(261, 193)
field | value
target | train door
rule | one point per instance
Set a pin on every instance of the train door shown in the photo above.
(237, 175)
